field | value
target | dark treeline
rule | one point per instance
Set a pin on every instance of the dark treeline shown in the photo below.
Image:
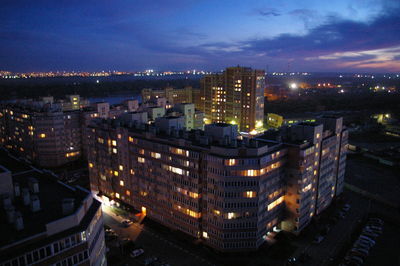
(23, 90)
(349, 102)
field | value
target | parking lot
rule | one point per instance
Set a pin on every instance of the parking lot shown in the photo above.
(154, 244)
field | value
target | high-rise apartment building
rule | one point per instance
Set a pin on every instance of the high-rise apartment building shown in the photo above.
(46, 222)
(235, 96)
(211, 185)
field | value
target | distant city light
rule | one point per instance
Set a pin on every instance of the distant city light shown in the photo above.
(293, 86)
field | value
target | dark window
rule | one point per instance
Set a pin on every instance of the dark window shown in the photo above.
(42, 254)
(48, 251)
(35, 256)
(29, 258)
(56, 247)
(22, 261)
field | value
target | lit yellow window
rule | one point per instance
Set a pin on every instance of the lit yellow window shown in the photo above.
(121, 167)
(42, 136)
(114, 142)
(116, 173)
(156, 155)
(90, 165)
(231, 215)
(114, 150)
(231, 162)
(141, 159)
(117, 195)
(250, 194)
(128, 193)
(132, 172)
(121, 183)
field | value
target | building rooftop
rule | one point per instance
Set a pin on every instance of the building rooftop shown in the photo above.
(50, 192)
(13, 165)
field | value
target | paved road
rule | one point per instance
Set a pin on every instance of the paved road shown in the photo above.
(153, 244)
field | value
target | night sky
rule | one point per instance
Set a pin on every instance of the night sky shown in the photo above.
(129, 35)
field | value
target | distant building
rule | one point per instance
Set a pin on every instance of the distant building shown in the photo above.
(173, 96)
(274, 120)
(46, 222)
(229, 192)
(235, 96)
(73, 102)
(41, 132)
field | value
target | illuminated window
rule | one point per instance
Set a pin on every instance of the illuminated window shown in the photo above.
(193, 195)
(141, 151)
(114, 142)
(132, 172)
(42, 136)
(318, 135)
(155, 155)
(251, 172)
(205, 235)
(116, 173)
(71, 154)
(100, 140)
(307, 188)
(119, 136)
(114, 150)
(121, 167)
(121, 183)
(315, 172)
(231, 215)
(175, 170)
(230, 162)
(275, 203)
(250, 194)
(128, 193)
(117, 195)
(90, 165)
(141, 159)
(217, 212)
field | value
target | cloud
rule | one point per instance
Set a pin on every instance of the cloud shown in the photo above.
(269, 12)
(340, 40)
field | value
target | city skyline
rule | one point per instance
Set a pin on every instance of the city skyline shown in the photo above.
(354, 36)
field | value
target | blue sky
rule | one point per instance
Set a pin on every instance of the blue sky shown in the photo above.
(334, 35)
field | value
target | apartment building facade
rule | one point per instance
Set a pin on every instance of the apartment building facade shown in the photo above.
(173, 95)
(209, 184)
(235, 96)
(41, 132)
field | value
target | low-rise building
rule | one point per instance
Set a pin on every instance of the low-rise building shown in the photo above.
(46, 222)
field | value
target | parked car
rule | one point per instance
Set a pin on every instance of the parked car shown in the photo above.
(370, 234)
(374, 227)
(366, 238)
(126, 223)
(137, 252)
(363, 243)
(346, 207)
(359, 251)
(376, 220)
(353, 258)
(150, 260)
(318, 239)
